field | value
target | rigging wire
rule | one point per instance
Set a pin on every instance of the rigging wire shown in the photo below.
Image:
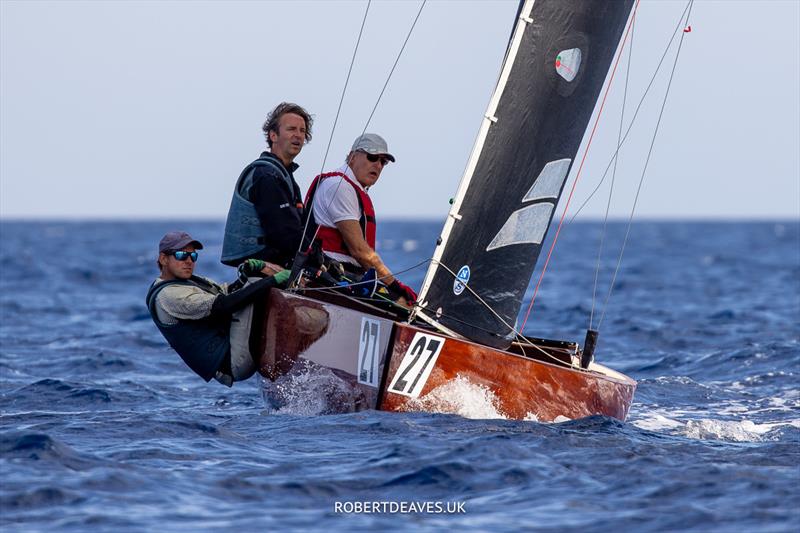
(635, 114)
(518, 333)
(613, 174)
(580, 168)
(344, 89)
(413, 24)
(620, 141)
(338, 110)
(366, 125)
(646, 163)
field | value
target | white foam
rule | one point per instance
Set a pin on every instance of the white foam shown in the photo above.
(460, 397)
(655, 422)
(688, 424)
(738, 431)
(309, 391)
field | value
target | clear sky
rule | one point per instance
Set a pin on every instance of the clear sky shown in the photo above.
(151, 109)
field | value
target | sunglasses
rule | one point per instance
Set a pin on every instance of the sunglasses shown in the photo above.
(183, 256)
(373, 158)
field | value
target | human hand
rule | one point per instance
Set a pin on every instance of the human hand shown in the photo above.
(282, 277)
(252, 266)
(401, 289)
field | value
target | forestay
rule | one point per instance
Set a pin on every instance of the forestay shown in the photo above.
(555, 66)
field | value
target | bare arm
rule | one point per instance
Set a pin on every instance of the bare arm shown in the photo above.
(361, 251)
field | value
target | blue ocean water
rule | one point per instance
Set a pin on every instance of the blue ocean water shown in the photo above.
(103, 428)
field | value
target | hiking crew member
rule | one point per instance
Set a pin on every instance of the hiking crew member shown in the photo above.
(265, 217)
(344, 215)
(216, 329)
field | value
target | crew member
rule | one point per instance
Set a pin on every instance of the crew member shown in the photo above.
(212, 327)
(343, 215)
(265, 217)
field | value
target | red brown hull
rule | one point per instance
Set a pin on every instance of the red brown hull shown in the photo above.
(398, 367)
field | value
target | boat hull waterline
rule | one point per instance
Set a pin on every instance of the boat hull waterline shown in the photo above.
(394, 366)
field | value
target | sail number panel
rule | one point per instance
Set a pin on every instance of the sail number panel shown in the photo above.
(417, 363)
(368, 351)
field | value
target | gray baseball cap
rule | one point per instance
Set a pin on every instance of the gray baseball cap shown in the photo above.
(372, 143)
(175, 240)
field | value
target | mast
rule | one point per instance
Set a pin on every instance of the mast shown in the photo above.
(557, 60)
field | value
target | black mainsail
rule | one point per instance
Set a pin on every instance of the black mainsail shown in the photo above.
(555, 66)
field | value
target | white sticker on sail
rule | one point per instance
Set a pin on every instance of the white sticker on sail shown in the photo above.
(524, 226)
(462, 278)
(568, 62)
(548, 182)
(417, 363)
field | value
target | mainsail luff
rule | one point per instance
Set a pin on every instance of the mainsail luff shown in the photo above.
(555, 67)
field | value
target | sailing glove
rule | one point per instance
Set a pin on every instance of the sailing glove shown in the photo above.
(252, 266)
(401, 289)
(282, 277)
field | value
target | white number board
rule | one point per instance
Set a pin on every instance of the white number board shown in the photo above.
(368, 351)
(417, 363)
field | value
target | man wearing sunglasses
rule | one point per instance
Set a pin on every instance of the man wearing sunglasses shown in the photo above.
(265, 216)
(214, 328)
(342, 216)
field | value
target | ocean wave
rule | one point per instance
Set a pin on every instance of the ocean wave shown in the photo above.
(26, 446)
(39, 497)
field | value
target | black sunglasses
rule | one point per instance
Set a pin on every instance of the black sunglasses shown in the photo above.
(373, 158)
(183, 256)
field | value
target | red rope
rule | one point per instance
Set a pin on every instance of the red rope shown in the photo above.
(580, 168)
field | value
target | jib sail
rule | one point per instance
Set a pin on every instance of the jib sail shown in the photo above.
(555, 66)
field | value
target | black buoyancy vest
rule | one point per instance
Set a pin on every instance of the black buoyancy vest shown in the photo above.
(244, 235)
(202, 344)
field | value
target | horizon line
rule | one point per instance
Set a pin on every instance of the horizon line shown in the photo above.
(430, 219)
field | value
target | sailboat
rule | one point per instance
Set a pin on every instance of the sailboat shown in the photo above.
(464, 328)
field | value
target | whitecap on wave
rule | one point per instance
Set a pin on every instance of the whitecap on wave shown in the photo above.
(687, 424)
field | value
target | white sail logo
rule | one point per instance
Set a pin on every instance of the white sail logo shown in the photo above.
(462, 278)
(568, 62)
(529, 224)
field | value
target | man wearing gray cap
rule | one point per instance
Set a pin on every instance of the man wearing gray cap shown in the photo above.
(342, 216)
(211, 326)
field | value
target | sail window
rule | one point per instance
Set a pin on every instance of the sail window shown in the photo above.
(525, 226)
(548, 183)
(568, 62)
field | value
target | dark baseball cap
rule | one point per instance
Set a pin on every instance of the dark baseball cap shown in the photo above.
(175, 240)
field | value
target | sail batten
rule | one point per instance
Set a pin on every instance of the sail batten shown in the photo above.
(523, 20)
(555, 67)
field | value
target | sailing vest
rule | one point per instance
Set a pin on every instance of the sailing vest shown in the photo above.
(244, 235)
(202, 344)
(331, 238)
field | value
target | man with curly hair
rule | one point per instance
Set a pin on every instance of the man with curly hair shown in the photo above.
(265, 217)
